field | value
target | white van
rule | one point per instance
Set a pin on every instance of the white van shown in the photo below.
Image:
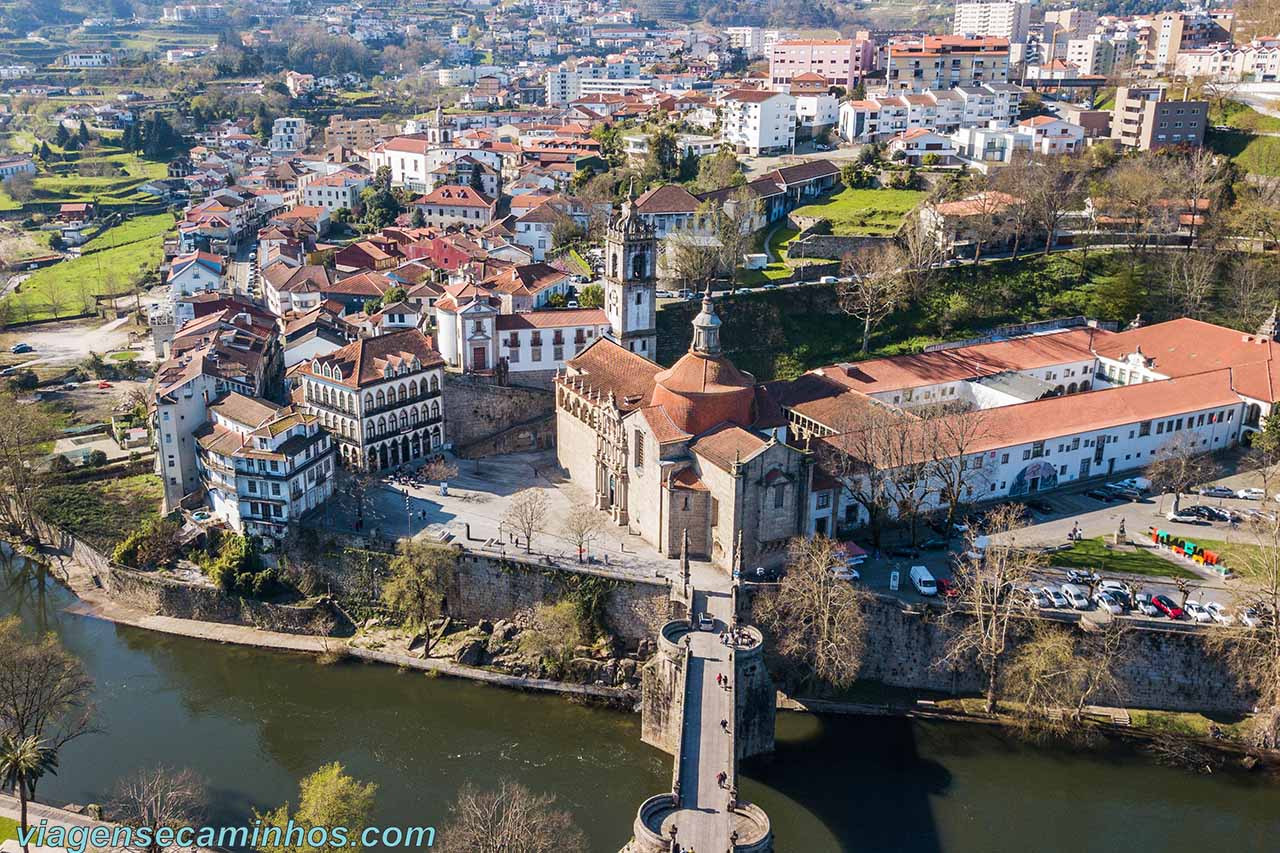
(1075, 596)
(923, 581)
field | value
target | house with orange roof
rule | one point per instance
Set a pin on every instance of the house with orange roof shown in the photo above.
(453, 204)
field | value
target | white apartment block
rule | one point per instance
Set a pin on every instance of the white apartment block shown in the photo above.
(412, 159)
(757, 122)
(1256, 62)
(1094, 55)
(262, 466)
(565, 83)
(1007, 20)
(749, 40)
(334, 192)
(87, 59)
(876, 119)
(288, 135)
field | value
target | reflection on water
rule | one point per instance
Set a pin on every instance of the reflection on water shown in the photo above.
(252, 723)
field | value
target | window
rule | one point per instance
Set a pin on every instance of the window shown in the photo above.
(639, 449)
(1144, 428)
(275, 488)
(824, 500)
(253, 487)
(1179, 426)
(1160, 428)
(779, 495)
(1004, 458)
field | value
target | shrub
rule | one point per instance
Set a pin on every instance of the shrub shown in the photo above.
(96, 459)
(151, 546)
(60, 464)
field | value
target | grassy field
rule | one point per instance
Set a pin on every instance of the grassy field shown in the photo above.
(68, 288)
(864, 212)
(131, 231)
(1093, 554)
(1240, 557)
(61, 181)
(8, 829)
(1257, 154)
(1244, 117)
(103, 512)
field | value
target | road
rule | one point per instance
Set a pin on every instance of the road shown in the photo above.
(71, 342)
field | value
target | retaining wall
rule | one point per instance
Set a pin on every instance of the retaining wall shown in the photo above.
(167, 597)
(476, 411)
(1159, 668)
(491, 587)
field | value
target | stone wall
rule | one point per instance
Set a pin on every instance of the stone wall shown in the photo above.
(1160, 668)
(831, 246)
(476, 411)
(755, 705)
(490, 587)
(662, 689)
(536, 434)
(167, 597)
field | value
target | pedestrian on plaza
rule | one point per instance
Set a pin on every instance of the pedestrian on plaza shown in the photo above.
(724, 724)
(719, 678)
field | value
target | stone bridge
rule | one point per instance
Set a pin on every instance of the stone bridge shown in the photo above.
(709, 701)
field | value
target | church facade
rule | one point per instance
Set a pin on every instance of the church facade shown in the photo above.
(699, 449)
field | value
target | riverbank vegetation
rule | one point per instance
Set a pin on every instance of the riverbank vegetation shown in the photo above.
(102, 512)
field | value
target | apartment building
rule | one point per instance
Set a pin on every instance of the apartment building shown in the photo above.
(758, 122)
(749, 40)
(1170, 33)
(380, 398)
(1145, 119)
(358, 134)
(878, 118)
(263, 466)
(452, 204)
(1255, 62)
(335, 192)
(944, 62)
(191, 274)
(1094, 55)
(841, 62)
(565, 83)
(1007, 20)
(288, 135)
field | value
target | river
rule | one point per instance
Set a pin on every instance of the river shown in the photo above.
(252, 723)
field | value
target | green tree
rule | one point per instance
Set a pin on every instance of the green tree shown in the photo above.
(663, 160)
(61, 136)
(591, 296)
(83, 133)
(717, 171)
(418, 573)
(554, 635)
(418, 219)
(328, 798)
(23, 761)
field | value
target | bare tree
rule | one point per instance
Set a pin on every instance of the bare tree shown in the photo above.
(1192, 277)
(526, 515)
(1249, 290)
(875, 286)
(922, 256)
(855, 456)
(1020, 181)
(438, 470)
(692, 259)
(1131, 203)
(907, 465)
(1052, 676)
(1179, 465)
(986, 220)
(582, 525)
(44, 690)
(1197, 181)
(1053, 187)
(818, 622)
(982, 616)
(511, 819)
(958, 472)
(158, 797)
(22, 430)
(1252, 655)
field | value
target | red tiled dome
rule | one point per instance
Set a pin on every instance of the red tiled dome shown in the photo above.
(700, 391)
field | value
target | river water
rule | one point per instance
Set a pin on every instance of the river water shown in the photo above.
(253, 723)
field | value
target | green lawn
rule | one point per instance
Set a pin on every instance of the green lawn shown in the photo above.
(8, 829)
(60, 181)
(1257, 154)
(1244, 117)
(580, 261)
(127, 355)
(864, 212)
(103, 512)
(67, 288)
(131, 231)
(1240, 557)
(1093, 554)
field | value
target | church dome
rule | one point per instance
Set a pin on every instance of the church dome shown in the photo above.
(704, 388)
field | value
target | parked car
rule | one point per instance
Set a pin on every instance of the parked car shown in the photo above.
(828, 279)
(1249, 618)
(922, 580)
(705, 622)
(1118, 591)
(1200, 511)
(845, 573)
(1185, 518)
(1102, 495)
(685, 294)
(1040, 505)
(19, 349)
(1084, 578)
(1104, 601)
(1219, 613)
(902, 551)
(1217, 492)
(769, 286)
(104, 385)
(1165, 605)
(1254, 494)
(1056, 598)
(1221, 513)
(1075, 596)
(664, 294)
(1037, 597)
(948, 587)
(1198, 613)
(1144, 604)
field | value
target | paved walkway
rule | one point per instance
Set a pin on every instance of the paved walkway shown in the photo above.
(706, 746)
(36, 812)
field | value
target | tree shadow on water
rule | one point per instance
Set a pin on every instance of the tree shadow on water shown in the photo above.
(848, 783)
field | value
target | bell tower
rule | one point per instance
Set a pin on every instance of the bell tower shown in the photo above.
(630, 295)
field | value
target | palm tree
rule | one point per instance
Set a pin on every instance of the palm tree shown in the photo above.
(22, 762)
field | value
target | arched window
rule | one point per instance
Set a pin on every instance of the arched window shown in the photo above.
(413, 388)
(637, 265)
(435, 383)
(404, 419)
(413, 416)
(381, 399)
(368, 400)
(382, 425)
(368, 429)
(435, 409)
(404, 392)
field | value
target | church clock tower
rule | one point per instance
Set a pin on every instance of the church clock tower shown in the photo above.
(630, 297)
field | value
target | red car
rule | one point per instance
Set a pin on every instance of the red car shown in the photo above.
(948, 587)
(1166, 606)
(103, 385)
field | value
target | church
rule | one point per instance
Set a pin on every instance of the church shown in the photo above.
(698, 448)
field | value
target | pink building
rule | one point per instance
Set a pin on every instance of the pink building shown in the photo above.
(841, 61)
